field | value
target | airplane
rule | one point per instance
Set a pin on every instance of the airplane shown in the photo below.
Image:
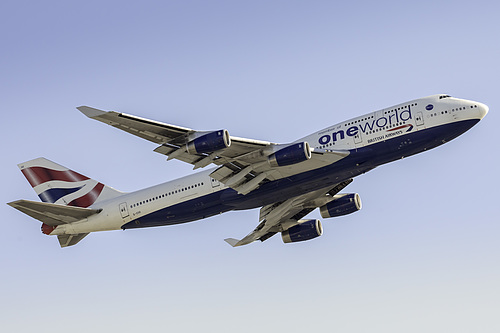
(287, 181)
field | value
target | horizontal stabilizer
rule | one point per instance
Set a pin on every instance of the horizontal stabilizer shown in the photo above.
(52, 214)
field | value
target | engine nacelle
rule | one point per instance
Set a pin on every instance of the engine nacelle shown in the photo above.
(295, 153)
(305, 230)
(210, 142)
(343, 205)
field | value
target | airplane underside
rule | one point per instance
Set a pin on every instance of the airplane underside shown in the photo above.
(358, 162)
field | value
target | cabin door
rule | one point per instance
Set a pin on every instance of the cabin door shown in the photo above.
(215, 182)
(358, 138)
(419, 119)
(123, 210)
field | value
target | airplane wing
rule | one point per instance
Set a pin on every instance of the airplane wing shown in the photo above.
(281, 216)
(244, 164)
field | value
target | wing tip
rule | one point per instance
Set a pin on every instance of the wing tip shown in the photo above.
(90, 112)
(232, 241)
(71, 239)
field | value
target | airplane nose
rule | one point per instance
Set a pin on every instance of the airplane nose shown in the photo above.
(483, 110)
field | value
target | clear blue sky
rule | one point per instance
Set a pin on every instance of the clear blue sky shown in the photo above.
(421, 256)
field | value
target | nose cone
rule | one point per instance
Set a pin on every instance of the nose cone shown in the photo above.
(482, 109)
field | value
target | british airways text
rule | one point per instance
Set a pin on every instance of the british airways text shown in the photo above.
(392, 118)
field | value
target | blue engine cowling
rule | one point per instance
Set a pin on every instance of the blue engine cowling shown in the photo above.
(343, 205)
(210, 142)
(305, 230)
(295, 153)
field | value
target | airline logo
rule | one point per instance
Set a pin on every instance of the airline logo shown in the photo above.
(63, 186)
(396, 118)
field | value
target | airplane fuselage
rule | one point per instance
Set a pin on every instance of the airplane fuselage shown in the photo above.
(373, 139)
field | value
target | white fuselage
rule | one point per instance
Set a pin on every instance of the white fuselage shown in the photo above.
(391, 129)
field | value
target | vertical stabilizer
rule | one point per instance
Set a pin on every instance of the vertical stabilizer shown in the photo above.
(54, 183)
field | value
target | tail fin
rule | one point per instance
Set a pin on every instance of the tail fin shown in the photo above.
(54, 183)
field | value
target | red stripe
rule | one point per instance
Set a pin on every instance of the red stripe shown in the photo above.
(89, 198)
(400, 127)
(40, 175)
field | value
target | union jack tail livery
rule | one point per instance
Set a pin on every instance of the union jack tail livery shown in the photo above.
(54, 183)
(67, 198)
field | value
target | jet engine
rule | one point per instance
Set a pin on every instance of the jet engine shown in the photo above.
(292, 154)
(343, 204)
(305, 230)
(210, 142)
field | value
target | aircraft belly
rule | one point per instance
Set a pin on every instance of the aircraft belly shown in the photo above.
(187, 211)
(358, 162)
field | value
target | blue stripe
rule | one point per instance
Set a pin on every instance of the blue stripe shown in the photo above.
(54, 194)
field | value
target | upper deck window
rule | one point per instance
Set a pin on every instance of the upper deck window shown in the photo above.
(444, 96)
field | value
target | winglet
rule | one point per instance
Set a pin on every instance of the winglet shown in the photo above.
(232, 241)
(90, 112)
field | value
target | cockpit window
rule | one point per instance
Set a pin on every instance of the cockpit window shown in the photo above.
(444, 96)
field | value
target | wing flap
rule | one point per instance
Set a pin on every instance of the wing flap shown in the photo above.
(52, 214)
(241, 169)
